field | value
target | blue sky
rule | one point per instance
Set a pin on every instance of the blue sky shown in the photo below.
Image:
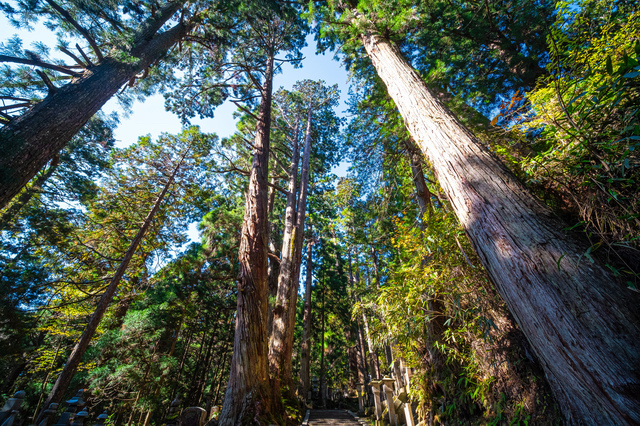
(150, 118)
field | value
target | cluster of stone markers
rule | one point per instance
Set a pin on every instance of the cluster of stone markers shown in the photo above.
(390, 398)
(76, 415)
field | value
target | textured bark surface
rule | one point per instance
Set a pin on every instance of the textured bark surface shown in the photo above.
(70, 367)
(277, 340)
(284, 316)
(249, 395)
(581, 323)
(12, 210)
(305, 352)
(30, 141)
(297, 255)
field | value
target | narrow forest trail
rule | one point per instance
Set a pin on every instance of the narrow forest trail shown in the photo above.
(330, 417)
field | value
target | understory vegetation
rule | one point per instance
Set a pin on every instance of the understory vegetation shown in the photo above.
(333, 280)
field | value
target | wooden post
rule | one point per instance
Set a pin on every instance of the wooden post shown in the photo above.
(360, 401)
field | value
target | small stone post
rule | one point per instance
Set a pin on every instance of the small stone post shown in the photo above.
(73, 405)
(388, 390)
(193, 416)
(78, 419)
(102, 418)
(11, 408)
(375, 387)
(360, 392)
(172, 417)
(48, 414)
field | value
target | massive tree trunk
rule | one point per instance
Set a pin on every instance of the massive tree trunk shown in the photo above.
(582, 324)
(60, 387)
(30, 141)
(279, 327)
(249, 394)
(305, 352)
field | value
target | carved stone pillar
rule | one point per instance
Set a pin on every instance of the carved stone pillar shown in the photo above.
(375, 387)
(360, 396)
(388, 390)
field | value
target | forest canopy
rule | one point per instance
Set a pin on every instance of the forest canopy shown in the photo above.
(477, 263)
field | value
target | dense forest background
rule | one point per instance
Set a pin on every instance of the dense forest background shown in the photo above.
(300, 274)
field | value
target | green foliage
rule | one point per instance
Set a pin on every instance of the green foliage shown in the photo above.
(583, 127)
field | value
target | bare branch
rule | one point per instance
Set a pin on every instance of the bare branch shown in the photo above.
(74, 57)
(37, 63)
(66, 15)
(24, 104)
(47, 82)
(84, 55)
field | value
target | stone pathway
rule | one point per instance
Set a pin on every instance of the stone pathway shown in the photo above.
(331, 417)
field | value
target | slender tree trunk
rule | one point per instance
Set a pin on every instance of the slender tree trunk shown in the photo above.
(362, 355)
(323, 379)
(224, 364)
(288, 319)
(305, 352)
(375, 367)
(29, 142)
(581, 323)
(423, 194)
(249, 393)
(281, 312)
(360, 349)
(60, 387)
(274, 263)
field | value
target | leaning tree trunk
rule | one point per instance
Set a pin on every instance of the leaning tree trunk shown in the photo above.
(249, 393)
(62, 383)
(582, 324)
(11, 212)
(30, 141)
(279, 328)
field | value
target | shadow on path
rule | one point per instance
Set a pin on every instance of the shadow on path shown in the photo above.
(331, 417)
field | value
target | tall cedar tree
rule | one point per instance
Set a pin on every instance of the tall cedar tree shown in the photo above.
(581, 323)
(29, 141)
(170, 168)
(317, 101)
(250, 394)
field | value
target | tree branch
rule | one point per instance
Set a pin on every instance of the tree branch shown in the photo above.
(52, 88)
(37, 63)
(66, 15)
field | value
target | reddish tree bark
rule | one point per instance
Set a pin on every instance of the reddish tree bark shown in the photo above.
(581, 323)
(30, 141)
(249, 395)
